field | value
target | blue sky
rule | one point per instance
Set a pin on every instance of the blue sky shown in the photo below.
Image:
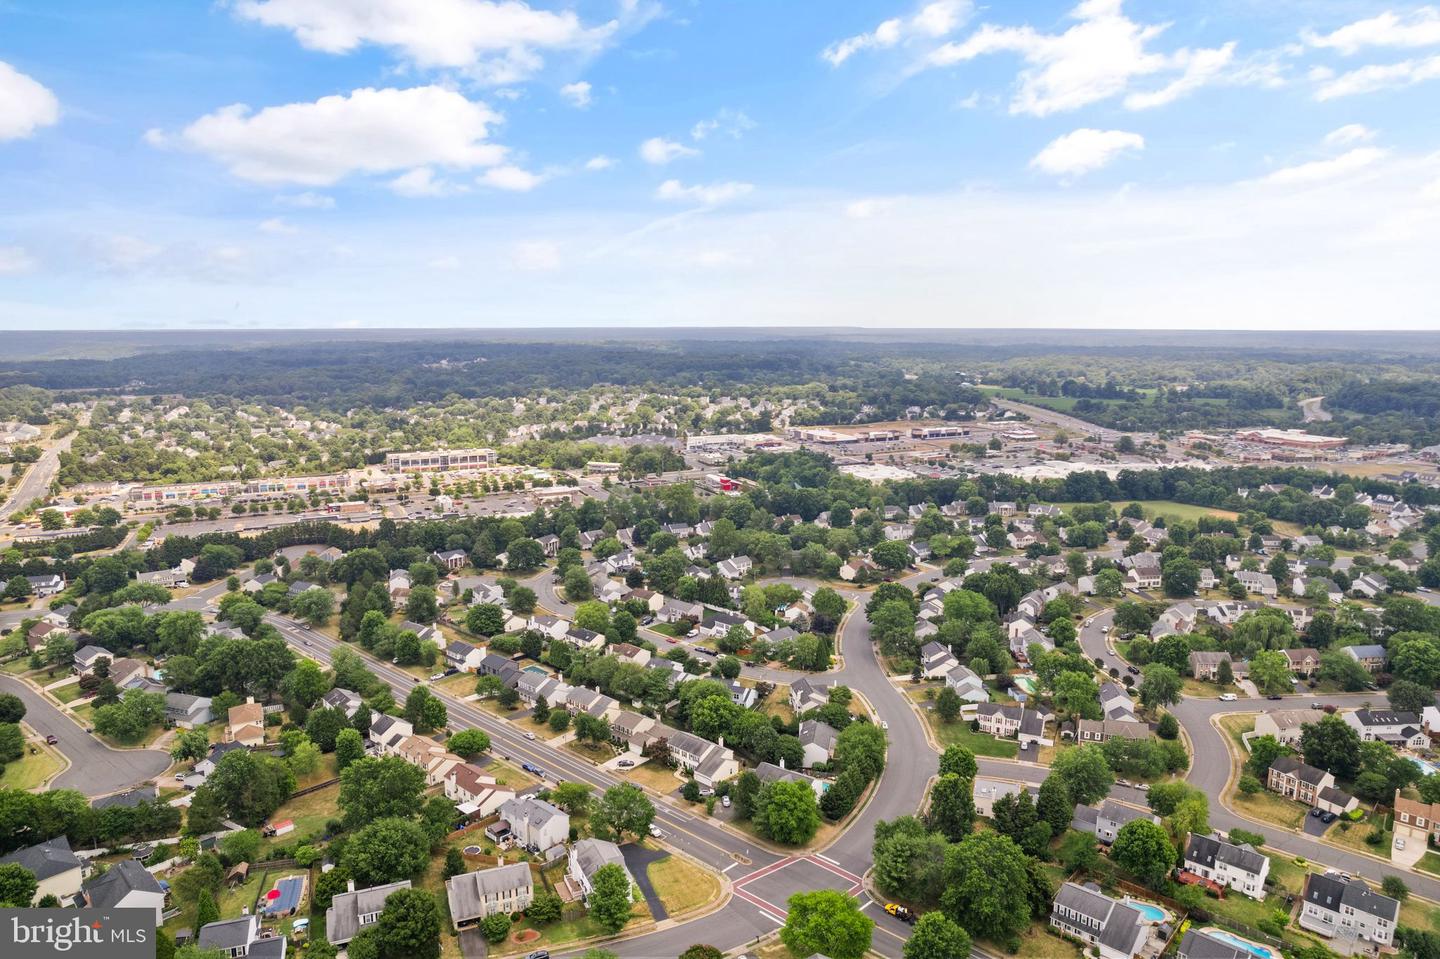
(278, 163)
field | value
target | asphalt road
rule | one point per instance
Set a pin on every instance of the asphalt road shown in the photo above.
(95, 768)
(37, 479)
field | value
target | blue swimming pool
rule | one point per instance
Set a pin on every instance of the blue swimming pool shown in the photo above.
(1147, 912)
(1426, 769)
(1233, 940)
(532, 668)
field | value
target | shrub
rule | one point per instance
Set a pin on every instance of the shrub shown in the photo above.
(495, 927)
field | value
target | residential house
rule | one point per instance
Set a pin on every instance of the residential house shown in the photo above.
(1285, 724)
(1388, 726)
(86, 658)
(126, 885)
(245, 724)
(125, 671)
(987, 792)
(1101, 730)
(818, 740)
(737, 567)
(582, 638)
(936, 660)
(807, 694)
(346, 700)
(1262, 583)
(591, 702)
(1369, 585)
(1371, 656)
(532, 686)
(719, 622)
(1106, 821)
(58, 871)
(1109, 925)
(587, 857)
(674, 610)
(550, 543)
(635, 731)
(741, 695)
(128, 799)
(710, 762)
(476, 895)
(429, 756)
(1303, 662)
(425, 632)
(1116, 703)
(1417, 824)
(474, 792)
(1005, 721)
(967, 684)
(1296, 780)
(1143, 577)
(1237, 866)
(1199, 944)
(769, 773)
(493, 664)
(630, 653)
(534, 823)
(388, 732)
(186, 712)
(1205, 664)
(855, 568)
(354, 909)
(1337, 907)
(451, 559)
(464, 657)
(553, 627)
(241, 938)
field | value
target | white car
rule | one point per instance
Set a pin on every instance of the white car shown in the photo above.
(725, 801)
(884, 724)
(1228, 697)
(655, 831)
(529, 735)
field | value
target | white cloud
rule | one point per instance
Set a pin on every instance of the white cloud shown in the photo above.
(869, 207)
(660, 151)
(1370, 79)
(731, 123)
(535, 255)
(15, 260)
(702, 194)
(1100, 57)
(1348, 134)
(599, 162)
(26, 105)
(932, 21)
(495, 42)
(308, 200)
(420, 182)
(1085, 150)
(511, 178)
(124, 253)
(1321, 171)
(277, 226)
(367, 131)
(1389, 29)
(577, 93)
(449, 262)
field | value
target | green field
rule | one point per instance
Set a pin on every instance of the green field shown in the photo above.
(959, 733)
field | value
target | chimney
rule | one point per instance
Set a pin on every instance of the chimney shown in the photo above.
(349, 885)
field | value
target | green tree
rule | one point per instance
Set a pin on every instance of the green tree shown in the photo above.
(1085, 773)
(700, 951)
(206, 911)
(952, 807)
(190, 744)
(947, 705)
(469, 743)
(349, 746)
(1332, 745)
(960, 761)
(323, 727)
(1159, 685)
(986, 886)
(409, 925)
(624, 808)
(787, 812)
(545, 907)
(610, 897)
(1270, 672)
(386, 850)
(1054, 804)
(496, 926)
(936, 936)
(1142, 849)
(485, 619)
(372, 788)
(18, 886)
(314, 606)
(826, 922)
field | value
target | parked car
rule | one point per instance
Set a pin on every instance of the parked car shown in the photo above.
(1327, 817)
(1228, 697)
(531, 768)
(900, 912)
(625, 763)
(725, 801)
(52, 739)
(1275, 697)
(1315, 812)
(1132, 669)
(1317, 705)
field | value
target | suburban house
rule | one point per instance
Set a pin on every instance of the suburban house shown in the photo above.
(737, 567)
(1199, 944)
(587, 857)
(1285, 724)
(936, 660)
(532, 686)
(1303, 662)
(1004, 721)
(493, 664)
(674, 610)
(552, 626)
(987, 792)
(807, 694)
(1111, 926)
(1116, 703)
(818, 740)
(1295, 780)
(1262, 583)
(1239, 867)
(630, 653)
(1347, 908)
(387, 732)
(967, 685)
(1416, 825)
(87, 656)
(475, 895)
(741, 695)
(451, 559)
(428, 755)
(245, 724)
(591, 702)
(126, 885)
(241, 938)
(1205, 664)
(584, 638)
(1100, 730)
(1388, 726)
(354, 909)
(462, 656)
(1143, 577)
(1371, 656)
(186, 711)
(57, 870)
(425, 632)
(1106, 821)
(346, 700)
(769, 773)
(711, 762)
(534, 823)
(474, 791)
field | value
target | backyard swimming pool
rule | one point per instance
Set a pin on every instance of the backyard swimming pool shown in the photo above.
(532, 668)
(1149, 912)
(1426, 769)
(1231, 939)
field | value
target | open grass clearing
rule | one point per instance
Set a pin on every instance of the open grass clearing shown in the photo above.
(32, 769)
(681, 885)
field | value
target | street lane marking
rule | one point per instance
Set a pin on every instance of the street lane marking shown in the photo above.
(730, 867)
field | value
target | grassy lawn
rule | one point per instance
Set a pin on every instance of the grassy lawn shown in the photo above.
(1202, 689)
(17, 667)
(323, 773)
(653, 775)
(1268, 807)
(1038, 942)
(510, 775)
(981, 744)
(310, 813)
(1419, 914)
(682, 885)
(778, 704)
(564, 931)
(1235, 726)
(460, 685)
(1354, 837)
(594, 752)
(1430, 862)
(67, 693)
(29, 771)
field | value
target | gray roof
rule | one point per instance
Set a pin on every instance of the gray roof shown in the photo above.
(121, 879)
(46, 859)
(1120, 924)
(1330, 892)
(1202, 945)
(821, 734)
(129, 798)
(342, 920)
(1209, 850)
(229, 933)
(1294, 767)
(539, 810)
(468, 891)
(594, 853)
(1368, 651)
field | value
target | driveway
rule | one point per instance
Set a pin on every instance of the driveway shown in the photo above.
(637, 858)
(473, 944)
(95, 768)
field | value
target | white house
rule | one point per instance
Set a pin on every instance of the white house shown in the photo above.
(1336, 907)
(1239, 867)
